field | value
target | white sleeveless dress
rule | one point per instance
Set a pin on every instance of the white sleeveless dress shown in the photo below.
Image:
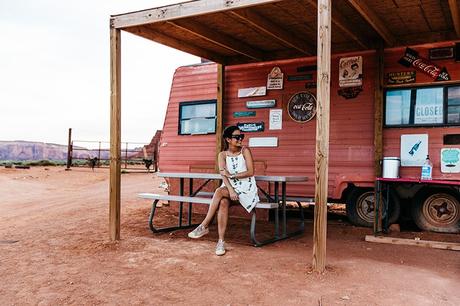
(246, 188)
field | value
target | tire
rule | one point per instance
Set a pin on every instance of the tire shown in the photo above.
(437, 211)
(361, 206)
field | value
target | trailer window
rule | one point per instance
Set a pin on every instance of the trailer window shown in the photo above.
(197, 117)
(428, 106)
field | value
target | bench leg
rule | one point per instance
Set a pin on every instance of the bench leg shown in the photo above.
(168, 228)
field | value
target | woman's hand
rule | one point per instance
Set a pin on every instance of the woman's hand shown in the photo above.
(225, 173)
(233, 195)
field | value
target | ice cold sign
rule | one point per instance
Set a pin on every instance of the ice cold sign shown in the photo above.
(302, 106)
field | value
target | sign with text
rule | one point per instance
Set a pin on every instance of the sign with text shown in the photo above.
(300, 77)
(276, 119)
(411, 58)
(350, 92)
(351, 71)
(441, 53)
(428, 113)
(261, 104)
(275, 79)
(251, 126)
(302, 107)
(402, 77)
(244, 114)
(252, 92)
(450, 160)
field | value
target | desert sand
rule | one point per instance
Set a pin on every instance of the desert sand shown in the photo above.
(54, 250)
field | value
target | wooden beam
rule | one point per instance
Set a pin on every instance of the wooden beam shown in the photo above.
(374, 21)
(172, 42)
(341, 22)
(322, 135)
(453, 6)
(422, 243)
(219, 110)
(219, 39)
(273, 30)
(378, 111)
(181, 10)
(115, 134)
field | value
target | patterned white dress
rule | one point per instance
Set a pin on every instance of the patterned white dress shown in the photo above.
(246, 188)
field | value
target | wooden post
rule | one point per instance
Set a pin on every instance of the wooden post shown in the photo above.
(378, 127)
(322, 135)
(219, 110)
(115, 133)
(69, 150)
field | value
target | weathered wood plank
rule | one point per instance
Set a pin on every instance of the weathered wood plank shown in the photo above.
(273, 30)
(455, 16)
(115, 134)
(322, 135)
(219, 111)
(374, 21)
(422, 243)
(181, 10)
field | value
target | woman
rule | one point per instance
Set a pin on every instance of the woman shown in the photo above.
(237, 169)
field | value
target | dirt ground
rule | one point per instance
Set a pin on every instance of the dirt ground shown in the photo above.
(54, 250)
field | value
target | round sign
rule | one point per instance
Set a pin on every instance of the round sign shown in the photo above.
(302, 106)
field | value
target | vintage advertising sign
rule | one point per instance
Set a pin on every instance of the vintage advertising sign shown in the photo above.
(244, 114)
(307, 68)
(302, 107)
(414, 149)
(275, 79)
(412, 59)
(402, 77)
(276, 119)
(350, 92)
(441, 53)
(251, 126)
(252, 92)
(351, 71)
(261, 104)
(450, 160)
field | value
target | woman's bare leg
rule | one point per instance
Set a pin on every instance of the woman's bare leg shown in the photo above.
(222, 217)
(221, 192)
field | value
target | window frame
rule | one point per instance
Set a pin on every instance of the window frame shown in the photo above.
(196, 102)
(413, 99)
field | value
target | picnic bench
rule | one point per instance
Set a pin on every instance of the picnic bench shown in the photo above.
(274, 202)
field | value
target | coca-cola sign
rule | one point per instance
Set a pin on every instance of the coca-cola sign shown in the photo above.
(302, 106)
(411, 58)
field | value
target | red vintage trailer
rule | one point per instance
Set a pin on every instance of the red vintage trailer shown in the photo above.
(190, 119)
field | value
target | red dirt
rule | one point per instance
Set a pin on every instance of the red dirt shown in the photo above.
(62, 255)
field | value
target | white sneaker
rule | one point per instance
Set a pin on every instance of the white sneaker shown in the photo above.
(198, 232)
(220, 248)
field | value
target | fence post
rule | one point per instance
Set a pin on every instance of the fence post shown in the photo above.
(69, 150)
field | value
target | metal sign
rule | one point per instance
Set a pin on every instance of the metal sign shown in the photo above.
(300, 77)
(450, 160)
(251, 126)
(275, 79)
(350, 92)
(402, 77)
(441, 53)
(244, 114)
(351, 71)
(261, 104)
(252, 92)
(412, 59)
(302, 107)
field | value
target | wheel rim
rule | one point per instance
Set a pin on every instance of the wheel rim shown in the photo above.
(365, 206)
(441, 209)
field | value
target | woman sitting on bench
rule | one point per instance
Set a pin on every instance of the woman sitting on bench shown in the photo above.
(237, 169)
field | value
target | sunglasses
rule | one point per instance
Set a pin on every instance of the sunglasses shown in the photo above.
(238, 137)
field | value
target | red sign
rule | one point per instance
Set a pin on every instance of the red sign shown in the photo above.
(411, 58)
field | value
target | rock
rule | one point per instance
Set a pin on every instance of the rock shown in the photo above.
(394, 228)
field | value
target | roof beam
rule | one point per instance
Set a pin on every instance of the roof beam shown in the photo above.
(374, 21)
(455, 16)
(339, 21)
(181, 10)
(274, 31)
(172, 42)
(219, 39)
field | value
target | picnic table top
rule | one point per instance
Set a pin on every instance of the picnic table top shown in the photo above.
(216, 176)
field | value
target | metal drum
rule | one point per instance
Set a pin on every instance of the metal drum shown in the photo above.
(391, 167)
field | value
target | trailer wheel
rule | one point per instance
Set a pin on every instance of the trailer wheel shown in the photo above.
(437, 211)
(361, 207)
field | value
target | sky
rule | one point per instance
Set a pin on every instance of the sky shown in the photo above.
(55, 72)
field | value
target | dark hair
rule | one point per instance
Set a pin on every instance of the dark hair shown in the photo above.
(228, 132)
